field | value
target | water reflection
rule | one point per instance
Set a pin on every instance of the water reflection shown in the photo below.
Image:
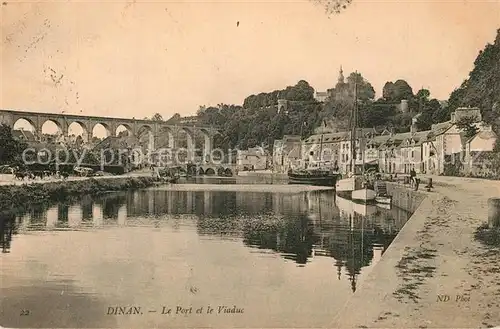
(7, 230)
(294, 238)
(299, 227)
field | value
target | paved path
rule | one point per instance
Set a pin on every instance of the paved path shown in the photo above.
(434, 255)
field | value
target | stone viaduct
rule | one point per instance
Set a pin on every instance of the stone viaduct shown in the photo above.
(134, 127)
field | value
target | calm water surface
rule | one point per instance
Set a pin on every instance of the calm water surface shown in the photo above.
(282, 260)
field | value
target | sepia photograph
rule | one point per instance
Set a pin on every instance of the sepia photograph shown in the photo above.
(250, 164)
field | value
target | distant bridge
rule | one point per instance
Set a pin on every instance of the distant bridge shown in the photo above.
(133, 126)
(219, 170)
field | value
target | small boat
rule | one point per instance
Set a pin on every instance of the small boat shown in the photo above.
(381, 190)
(363, 194)
(356, 188)
(320, 177)
(384, 205)
(320, 173)
(383, 199)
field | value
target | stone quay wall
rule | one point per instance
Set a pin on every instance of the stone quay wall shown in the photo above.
(405, 198)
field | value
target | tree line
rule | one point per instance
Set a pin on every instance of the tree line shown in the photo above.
(258, 121)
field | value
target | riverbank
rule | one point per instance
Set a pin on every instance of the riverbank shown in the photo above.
(291, 188)
(434, 274)
(263, 173)
(16, 196)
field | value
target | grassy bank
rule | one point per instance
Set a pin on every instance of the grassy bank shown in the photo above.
(17, 196)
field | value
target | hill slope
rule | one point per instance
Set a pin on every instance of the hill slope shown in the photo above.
(482, 87)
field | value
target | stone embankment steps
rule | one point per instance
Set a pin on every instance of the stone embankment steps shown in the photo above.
(435, 254)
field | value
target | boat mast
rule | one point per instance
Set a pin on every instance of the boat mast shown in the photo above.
(353, 128)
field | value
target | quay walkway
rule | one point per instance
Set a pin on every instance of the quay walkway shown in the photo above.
(435, 255)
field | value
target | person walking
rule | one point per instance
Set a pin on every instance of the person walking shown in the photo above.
(413, 176)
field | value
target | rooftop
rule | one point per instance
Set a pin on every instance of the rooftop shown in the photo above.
(483, 135)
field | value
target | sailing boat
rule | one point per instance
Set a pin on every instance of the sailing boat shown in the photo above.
(315, 174)
(355, 185)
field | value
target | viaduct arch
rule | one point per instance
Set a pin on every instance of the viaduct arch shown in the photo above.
(134, 127)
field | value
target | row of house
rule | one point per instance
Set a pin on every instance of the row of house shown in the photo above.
(431, 151)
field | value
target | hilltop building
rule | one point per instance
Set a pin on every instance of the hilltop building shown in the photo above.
(321, 96)
(341, 90)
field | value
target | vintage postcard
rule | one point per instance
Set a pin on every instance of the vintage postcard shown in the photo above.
(250, 164)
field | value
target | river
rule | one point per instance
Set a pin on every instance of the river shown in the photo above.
(213, 258)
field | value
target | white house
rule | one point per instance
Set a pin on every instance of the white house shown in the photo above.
(252, 159)
(373, 151)
(476, 148)
(323, 148)
(445, 141)
(412, 151)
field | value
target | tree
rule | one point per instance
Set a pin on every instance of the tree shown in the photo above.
(174, 118)
(423, 95)
(388, 92)
(157, 117)
(431, 113)
(337, 110)
(364, 88)
(10, 148)
(467, 125)
(397, 91)
(377, 114)
(334, 6)
(403, 90)
(123, 133)
(79, 141)
(201, 109)
(302, 91)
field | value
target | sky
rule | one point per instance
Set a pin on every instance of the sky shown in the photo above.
(134, 59)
